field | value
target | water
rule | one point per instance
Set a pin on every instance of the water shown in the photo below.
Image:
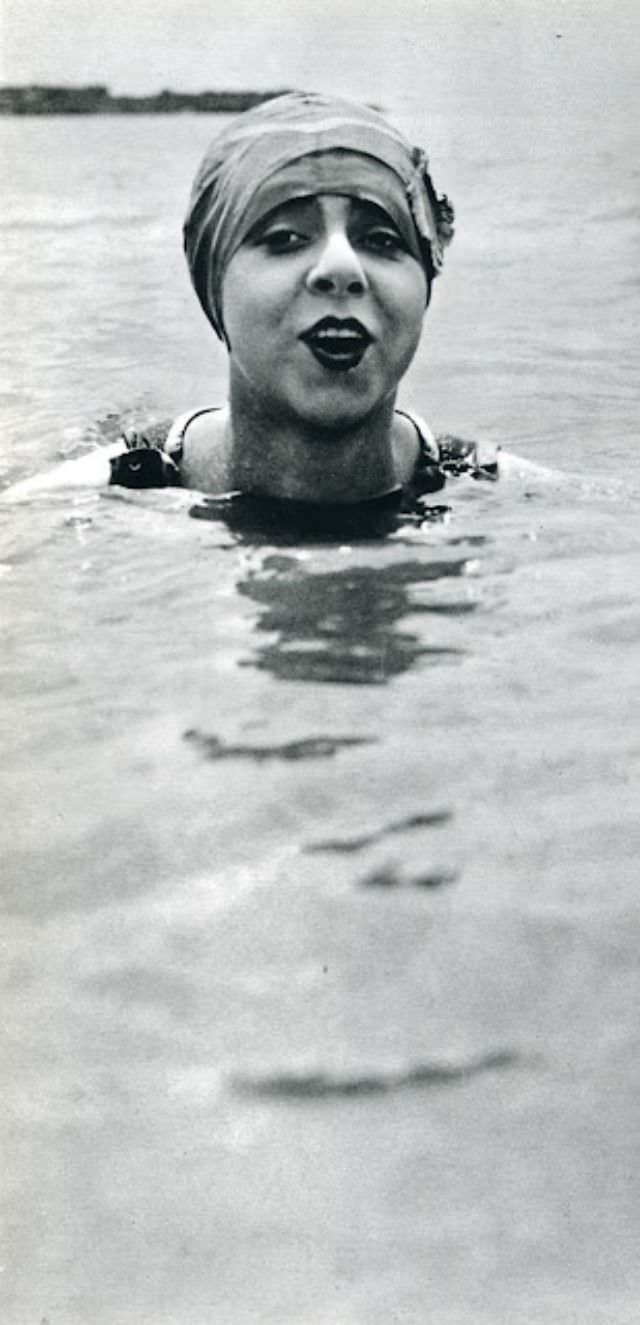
(320, 859)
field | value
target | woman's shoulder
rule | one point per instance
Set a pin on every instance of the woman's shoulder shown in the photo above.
(200, 422)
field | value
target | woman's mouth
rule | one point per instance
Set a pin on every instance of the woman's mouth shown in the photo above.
(337, 343)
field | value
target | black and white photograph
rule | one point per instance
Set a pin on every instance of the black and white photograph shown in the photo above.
(319, 673)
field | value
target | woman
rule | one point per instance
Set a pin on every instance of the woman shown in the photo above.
(313, 237)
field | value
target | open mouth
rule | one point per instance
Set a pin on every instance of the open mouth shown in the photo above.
(337, 343)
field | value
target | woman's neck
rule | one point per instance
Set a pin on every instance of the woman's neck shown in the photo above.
(280, 457)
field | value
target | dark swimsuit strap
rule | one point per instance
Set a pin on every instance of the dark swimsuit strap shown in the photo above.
(174, 447)
(426, 452)
(428, 475)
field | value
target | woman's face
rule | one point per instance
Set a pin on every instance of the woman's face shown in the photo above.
(323, 306)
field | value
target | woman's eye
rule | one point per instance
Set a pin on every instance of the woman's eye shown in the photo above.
(383, 241)
(282, 240)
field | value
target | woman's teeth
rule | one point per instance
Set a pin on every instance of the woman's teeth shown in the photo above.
(345, 334)
(337, 347)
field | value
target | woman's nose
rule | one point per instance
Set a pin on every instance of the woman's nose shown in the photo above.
(338, 269)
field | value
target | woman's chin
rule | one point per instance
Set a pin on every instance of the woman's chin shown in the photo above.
(337, 401)
(331, 416)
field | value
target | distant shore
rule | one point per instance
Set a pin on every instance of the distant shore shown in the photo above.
(96, 99)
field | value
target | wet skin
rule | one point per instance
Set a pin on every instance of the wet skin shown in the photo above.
(323, 307)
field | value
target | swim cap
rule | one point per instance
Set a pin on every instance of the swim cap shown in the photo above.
(298, 145)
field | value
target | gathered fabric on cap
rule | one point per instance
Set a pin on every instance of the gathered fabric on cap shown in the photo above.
(298, 145)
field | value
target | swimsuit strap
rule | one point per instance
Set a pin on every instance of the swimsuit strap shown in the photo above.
(429, 449)
(174, 444)
(428, 475)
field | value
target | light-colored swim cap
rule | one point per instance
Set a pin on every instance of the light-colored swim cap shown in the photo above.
(298, 145)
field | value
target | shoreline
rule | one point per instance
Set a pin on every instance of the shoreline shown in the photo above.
(41, 99)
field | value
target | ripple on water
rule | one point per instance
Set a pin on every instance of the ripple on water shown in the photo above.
(346, 845)
(327, 1084)
(312, 747)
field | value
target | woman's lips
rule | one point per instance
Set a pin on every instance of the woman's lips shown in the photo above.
(337, 343)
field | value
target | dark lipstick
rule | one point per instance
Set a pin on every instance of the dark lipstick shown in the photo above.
(338, 343)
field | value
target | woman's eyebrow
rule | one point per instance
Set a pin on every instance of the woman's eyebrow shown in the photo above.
(286, 213)
(363, 209)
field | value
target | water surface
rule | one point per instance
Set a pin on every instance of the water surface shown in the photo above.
(320, 862)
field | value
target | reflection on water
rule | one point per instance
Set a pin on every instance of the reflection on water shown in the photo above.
(341, 626)
(288, 523)
(346, 845)
(320, 1085)
(391, 876)
(312, 747)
